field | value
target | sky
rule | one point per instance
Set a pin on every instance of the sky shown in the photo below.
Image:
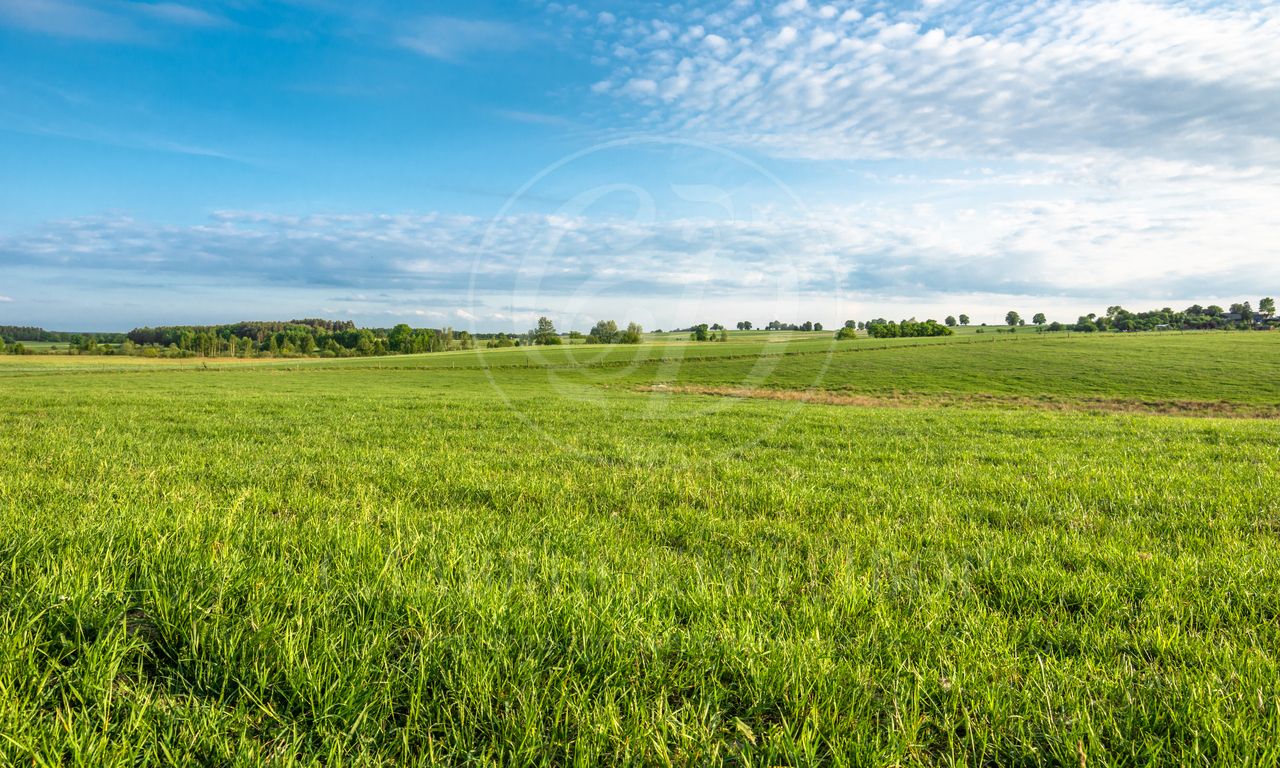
(479, 164)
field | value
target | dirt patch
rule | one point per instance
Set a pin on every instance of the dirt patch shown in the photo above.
(1091, 404)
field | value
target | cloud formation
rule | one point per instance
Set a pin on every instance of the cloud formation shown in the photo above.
(1197, 230)
(956, 78)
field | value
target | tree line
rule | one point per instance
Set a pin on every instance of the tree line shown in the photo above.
(309, 337)
(603, 332)
(303, 338)
(1238, 316)
(341, 338)
(880, 328)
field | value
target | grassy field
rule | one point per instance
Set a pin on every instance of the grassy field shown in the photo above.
(1005, 549)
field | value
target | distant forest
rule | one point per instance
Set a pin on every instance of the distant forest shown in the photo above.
(341, 338)
(297, 338)
(15, 333)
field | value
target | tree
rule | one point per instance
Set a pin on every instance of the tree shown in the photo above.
(850, 324)
(545, 332)
(632, 335)
(1267, 307)
(1013, 318)
(1245, 311)
(817, 326)
(951, 321)
(846, 333)
(807, 325)
(604, 332)
(1039, 319)
(964, 319)
(400, 339)
(1213, 310)
(744, 325)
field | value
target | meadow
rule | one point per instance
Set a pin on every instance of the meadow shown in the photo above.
(1005, 549)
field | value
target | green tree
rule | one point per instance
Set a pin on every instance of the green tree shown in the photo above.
(701, 332)
(1267, 306)
(1039, 319)
(400, 339)
(817, 326)
(745, 325)
(1245, 311)
(604, 332)
(964, 319)
(1013, 318)
(846, 333)
(950, 321)
(545, 332)
(633, 334)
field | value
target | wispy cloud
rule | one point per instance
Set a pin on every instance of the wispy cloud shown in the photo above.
(1166, 241)
(113, 22)
(65, 18)
(452, 39)
(122, 139)
(4, 299)
(181, 15)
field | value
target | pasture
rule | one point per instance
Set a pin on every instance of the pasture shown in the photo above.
(978, 550)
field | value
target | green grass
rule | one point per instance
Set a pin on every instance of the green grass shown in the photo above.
(519, 557)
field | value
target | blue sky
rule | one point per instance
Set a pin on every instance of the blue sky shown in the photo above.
(479, 164)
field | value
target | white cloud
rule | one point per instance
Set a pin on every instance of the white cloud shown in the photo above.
(716, 43)
(4, 299)
(786, 36)
(1068, 148)
(791, 7)
(1041, 78)
(450, 39)
(1183, 231)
